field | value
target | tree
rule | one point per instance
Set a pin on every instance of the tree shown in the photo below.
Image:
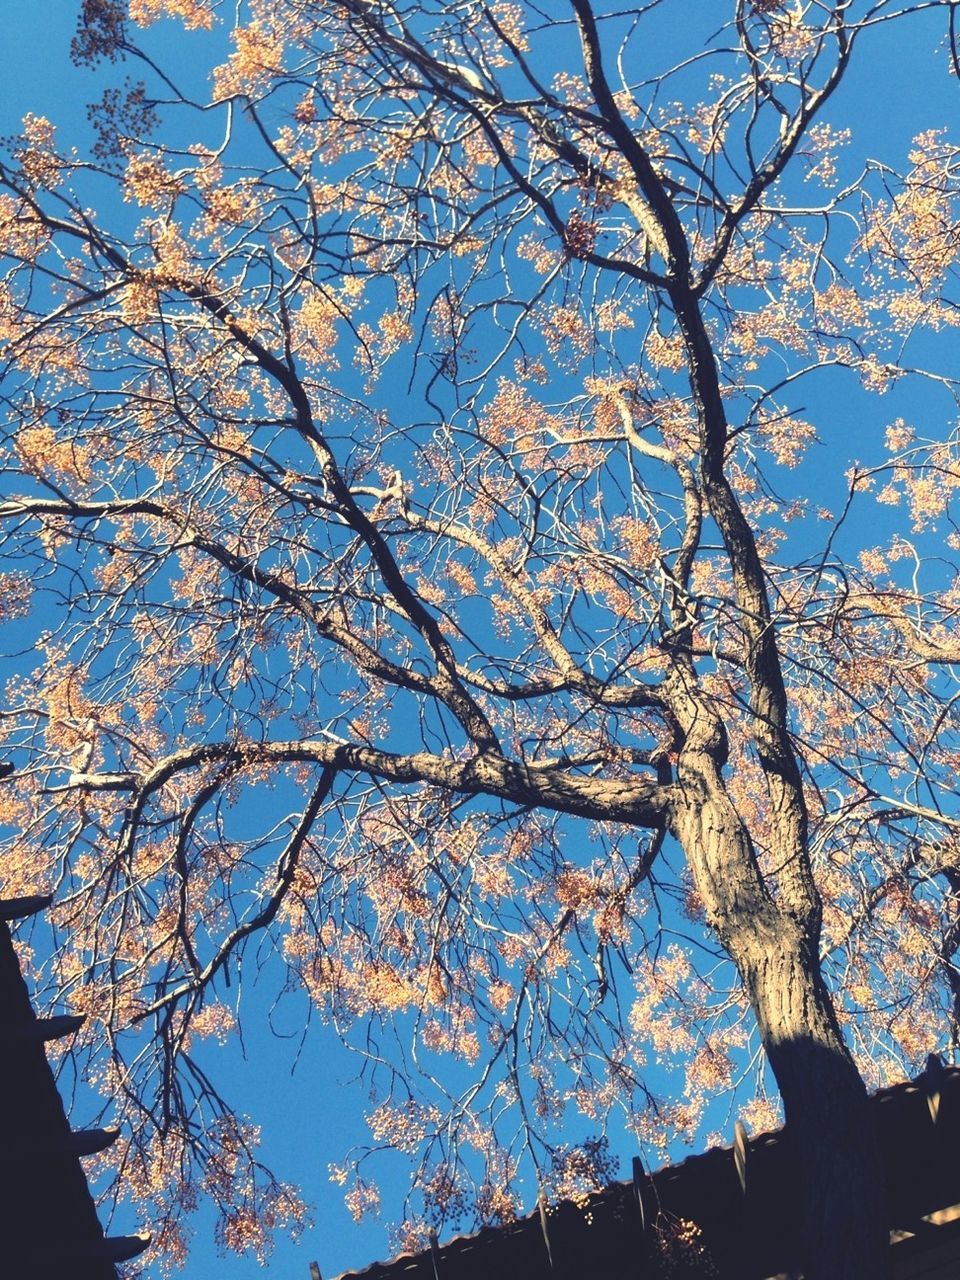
(409, 462)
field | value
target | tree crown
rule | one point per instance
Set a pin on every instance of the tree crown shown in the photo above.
(415, 464)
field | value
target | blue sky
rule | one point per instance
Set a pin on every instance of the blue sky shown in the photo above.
(310, 1116)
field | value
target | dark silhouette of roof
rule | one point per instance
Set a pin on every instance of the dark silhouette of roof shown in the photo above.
(48, 1220)
(741, 1200)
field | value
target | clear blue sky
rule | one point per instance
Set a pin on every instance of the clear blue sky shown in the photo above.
(311, 1116)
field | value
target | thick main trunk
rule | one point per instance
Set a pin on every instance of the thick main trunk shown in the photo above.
(841, 1211)
(840, 1199)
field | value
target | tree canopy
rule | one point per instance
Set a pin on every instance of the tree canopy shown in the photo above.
(477, 579)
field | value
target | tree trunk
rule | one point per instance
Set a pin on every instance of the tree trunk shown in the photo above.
(841, 1217)
(842, 1220)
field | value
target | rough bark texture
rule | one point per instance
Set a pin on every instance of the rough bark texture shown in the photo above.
(827, 1119)
(828, 1122)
